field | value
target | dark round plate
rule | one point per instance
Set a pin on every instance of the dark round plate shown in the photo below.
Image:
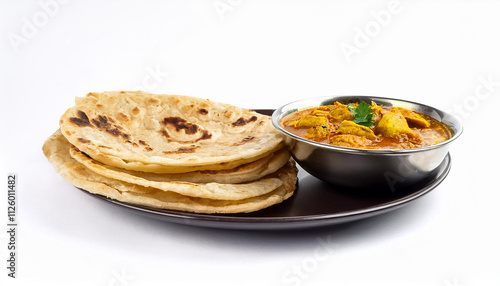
(314, 204)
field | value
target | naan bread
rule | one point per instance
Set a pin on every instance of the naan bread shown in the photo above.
(56, 149)
(167, 133)
(241, 174)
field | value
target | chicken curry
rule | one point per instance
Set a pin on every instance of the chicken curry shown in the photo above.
(367, 126)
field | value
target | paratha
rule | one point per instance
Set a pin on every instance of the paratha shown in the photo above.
(167, 133)
(241, 174)
(56, 149)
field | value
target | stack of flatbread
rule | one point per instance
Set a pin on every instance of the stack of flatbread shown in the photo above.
(172, 152)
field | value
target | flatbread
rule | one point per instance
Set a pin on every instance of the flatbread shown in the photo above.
(56, 149)
(144, 132)
(241, 174)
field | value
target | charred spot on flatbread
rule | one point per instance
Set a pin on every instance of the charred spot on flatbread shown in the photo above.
(104, 124)
(183, 150)
(205, 135)
(181, 124)
(136, 110)
(82, 120)
(245, 140)
(242, 121)
(164, 133)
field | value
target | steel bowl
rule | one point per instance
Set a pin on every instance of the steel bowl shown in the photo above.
(372, 170)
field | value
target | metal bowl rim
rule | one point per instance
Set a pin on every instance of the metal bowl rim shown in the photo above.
(458, 129)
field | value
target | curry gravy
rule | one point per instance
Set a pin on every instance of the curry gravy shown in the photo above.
(396, 132)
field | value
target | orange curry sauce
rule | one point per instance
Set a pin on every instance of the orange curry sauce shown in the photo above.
(394, 127)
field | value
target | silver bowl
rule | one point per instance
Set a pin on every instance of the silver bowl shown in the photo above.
(377, 170)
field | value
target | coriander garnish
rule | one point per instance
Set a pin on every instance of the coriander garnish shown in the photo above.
(362, 114)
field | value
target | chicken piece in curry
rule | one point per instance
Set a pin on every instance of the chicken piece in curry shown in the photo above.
(367, 126)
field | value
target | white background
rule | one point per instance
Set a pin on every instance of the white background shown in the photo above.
(254, 54)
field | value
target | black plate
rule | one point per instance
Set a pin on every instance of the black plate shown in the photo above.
(314, 204)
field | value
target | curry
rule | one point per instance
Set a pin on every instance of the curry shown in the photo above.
(366, 126)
